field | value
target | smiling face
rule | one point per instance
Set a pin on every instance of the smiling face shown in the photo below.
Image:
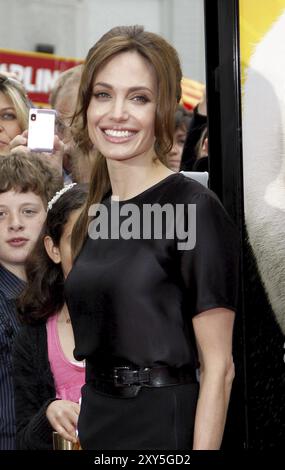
(121, 112)
(9, 126)
(21, 219)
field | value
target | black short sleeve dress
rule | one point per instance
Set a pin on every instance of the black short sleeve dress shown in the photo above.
(131, 301)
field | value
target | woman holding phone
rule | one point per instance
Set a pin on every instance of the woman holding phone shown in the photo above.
(14, 111)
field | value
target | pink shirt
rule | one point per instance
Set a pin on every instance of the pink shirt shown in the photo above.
(69, 376)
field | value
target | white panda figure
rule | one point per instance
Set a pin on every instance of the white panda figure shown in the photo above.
(264, 162)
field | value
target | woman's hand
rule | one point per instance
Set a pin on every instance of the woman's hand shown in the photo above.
(19, 144)
(63, 417)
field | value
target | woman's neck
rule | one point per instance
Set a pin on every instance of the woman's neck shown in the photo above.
(128, 179)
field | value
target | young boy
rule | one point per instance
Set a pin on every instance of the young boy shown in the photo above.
(26, 185)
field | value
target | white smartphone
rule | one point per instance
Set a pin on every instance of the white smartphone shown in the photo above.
(41, 129)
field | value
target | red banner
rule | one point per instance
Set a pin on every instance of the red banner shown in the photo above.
(37, 71)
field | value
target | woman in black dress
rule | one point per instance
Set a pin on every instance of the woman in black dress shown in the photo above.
(152, 293)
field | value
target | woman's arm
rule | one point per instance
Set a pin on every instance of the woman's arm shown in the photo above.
(213, 331)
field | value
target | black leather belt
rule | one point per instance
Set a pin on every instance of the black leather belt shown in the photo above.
(126, 381)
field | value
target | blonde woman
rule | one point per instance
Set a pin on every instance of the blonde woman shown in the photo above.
(14, 111)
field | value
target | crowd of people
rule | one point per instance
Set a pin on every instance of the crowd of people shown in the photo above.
(119, 341)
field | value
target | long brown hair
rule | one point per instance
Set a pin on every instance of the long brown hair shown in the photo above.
(164, 59)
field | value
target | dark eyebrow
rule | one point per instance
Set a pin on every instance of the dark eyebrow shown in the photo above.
(27, 203)
(30, 203)
(131, 89)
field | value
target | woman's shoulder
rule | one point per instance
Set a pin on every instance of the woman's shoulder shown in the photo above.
(183, 189)
(209, 208)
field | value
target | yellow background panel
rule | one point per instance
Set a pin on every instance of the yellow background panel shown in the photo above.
(256, 17)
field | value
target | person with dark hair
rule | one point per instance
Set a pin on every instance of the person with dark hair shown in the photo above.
(182, 121)
(195, 140)
(153, 288)
(202, 158)
(26, 184)
(47, 379)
